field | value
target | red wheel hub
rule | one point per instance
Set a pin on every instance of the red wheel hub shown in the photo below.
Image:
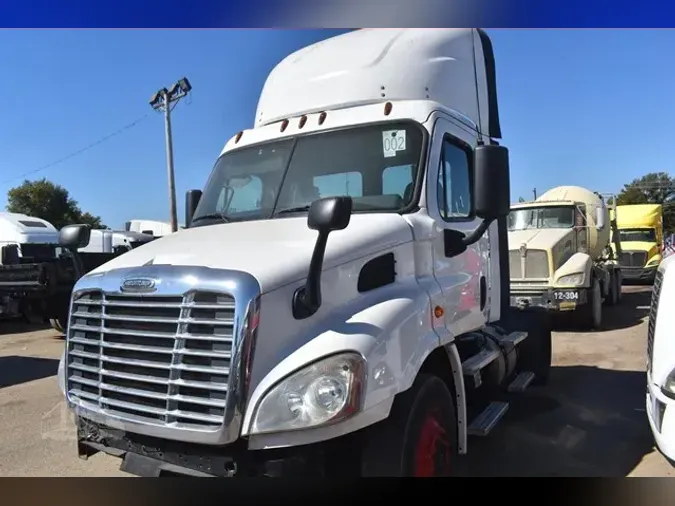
(432, 455)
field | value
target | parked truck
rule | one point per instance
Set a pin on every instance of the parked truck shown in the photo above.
(339, 301)
(660, 398)
(37, 273)
(560, 255)
(640, 229)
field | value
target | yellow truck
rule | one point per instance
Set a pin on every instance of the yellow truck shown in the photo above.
(640, 229)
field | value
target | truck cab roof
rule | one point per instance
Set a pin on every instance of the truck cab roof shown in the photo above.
(378, 65)
(21, 228)
(544, 203)
(417, 70)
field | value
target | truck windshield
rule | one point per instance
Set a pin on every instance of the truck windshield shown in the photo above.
(375, 165)
(637, 235)
(541, 217)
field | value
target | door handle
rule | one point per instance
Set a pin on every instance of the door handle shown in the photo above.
(483, 292)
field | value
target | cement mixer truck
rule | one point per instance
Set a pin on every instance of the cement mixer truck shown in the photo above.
(560, 255)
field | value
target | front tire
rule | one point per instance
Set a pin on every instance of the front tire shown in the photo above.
(591, 312)
(420, 436)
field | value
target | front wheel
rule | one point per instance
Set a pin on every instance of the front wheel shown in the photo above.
(58, 325)
(419, 438)
(591, 313)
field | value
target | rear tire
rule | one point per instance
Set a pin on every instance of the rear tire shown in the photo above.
(619, 283)
(614, 290)
(420, 436)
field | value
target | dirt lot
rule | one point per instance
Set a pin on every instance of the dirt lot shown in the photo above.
(589, 421)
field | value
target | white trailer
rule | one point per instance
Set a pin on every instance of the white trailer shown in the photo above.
(340, 301)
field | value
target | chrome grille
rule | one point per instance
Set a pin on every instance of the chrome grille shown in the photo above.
(163, 359)
(651, 326)
(536, 264)
(633, 259)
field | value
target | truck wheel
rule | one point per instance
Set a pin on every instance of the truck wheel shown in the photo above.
(57, 325)
(591, 312)
(420, 436)
(536, 351)
(619, 282)
(614, 290)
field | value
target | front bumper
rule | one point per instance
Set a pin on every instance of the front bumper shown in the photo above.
(153, 457)
(551, 299)
(661, 415)
(646, 274)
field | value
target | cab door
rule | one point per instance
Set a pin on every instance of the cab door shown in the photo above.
(467, 280)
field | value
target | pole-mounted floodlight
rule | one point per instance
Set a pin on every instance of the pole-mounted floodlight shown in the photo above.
(162, 100)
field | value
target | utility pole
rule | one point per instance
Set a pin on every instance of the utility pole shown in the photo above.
(534, 191)
(165, 100)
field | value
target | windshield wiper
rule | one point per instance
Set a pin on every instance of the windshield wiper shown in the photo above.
(212, 216)
(298, 209)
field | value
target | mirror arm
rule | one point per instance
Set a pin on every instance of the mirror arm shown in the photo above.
(456, 242)
(474, 236)
(307, 299)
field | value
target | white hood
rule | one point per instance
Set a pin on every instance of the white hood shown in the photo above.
(542, 238)
(276, 252)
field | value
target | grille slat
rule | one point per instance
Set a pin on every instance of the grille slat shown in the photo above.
(633, 258)
(535, 262)
(158, 358)
(651, 325)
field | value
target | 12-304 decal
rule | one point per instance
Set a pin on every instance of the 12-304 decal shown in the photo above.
(566, 295)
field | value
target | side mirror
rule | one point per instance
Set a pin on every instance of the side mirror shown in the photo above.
(600, 217)
(192, 198)
(329, 214)
(491, 196)
(325, 216)
(492, 182)
(74, 237)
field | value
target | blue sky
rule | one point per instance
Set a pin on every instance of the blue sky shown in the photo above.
(587, 107)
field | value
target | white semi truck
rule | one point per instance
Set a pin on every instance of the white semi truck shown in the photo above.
(37, 275)
(339, 303)
(660, 401)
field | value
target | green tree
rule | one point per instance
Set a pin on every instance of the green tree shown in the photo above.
(652, 188)
(521, 199)
(49, 201)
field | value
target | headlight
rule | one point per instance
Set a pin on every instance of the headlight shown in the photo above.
(669, 386)
(571, 279)
(652, 262)
(322, 393)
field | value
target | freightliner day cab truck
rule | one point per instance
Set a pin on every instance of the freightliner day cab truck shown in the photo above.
(641, 237)
(339, 302)
(560, 256)
(37, 274)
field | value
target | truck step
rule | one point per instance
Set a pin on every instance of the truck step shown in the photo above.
(515, 337)
(478, 362)
(511, 339)
(521, 382)
(483, 424)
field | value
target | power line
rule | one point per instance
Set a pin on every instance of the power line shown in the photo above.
(79, 151)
